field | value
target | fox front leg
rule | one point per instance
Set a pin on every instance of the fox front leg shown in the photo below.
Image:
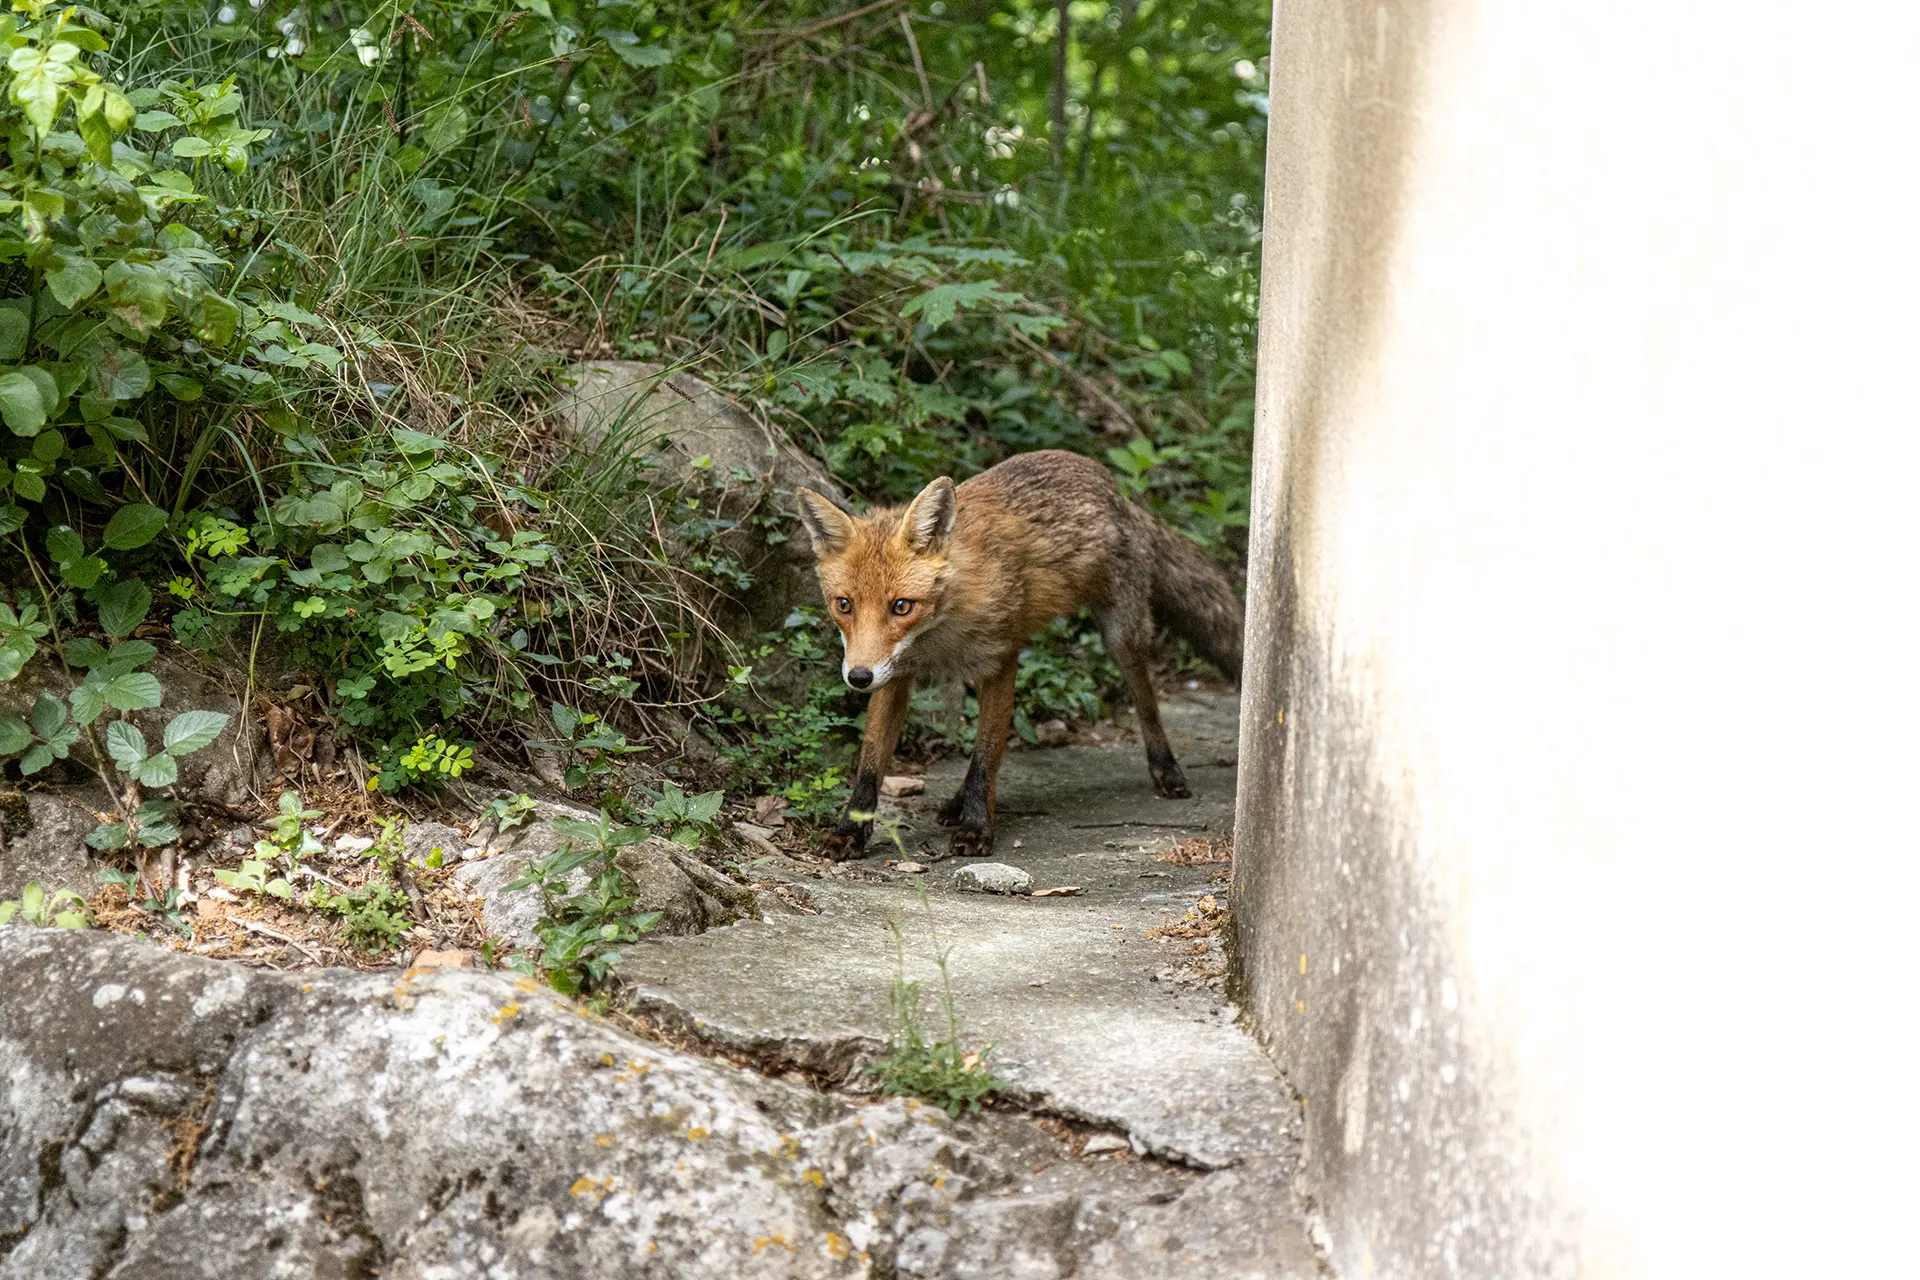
(979, 793)
(886, 713)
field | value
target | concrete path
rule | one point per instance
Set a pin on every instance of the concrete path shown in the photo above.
(1090, 1018)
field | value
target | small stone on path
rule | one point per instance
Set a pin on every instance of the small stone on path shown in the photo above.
(1051, 733)
(1101, 1143)
(992, 877)
(902, 785)
(911, 868)
(443, 960)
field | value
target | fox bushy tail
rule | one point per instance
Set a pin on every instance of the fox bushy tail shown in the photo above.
(1193, 599)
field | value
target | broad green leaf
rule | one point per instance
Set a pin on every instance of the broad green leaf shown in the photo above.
(13, 334)
(89, 699)
(134, 525)
(70, 279)
(410, 441)
(22, 407)
(49, 716)
(126, 745)
(154, 835)
(447, 124)
(134, 691)
(85, 652)
(38, 757)
(116, 373)
(192, 730)
(48, 446)
(705, 807)
(123, 606)
(140, 295)
(15, 737)
(83, 573)
(29, 485)
(108, 835)
(160, 770)
(627, 45)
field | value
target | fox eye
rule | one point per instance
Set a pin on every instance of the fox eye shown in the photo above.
(902, 607)
(843, 604)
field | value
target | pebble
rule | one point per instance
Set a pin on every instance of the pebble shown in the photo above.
(443, 960)
(902, 785)
(1051, 733)
(992, 877)
(352, 844)
(1101, 1143)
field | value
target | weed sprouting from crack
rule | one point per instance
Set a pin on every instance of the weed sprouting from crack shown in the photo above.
(942, 1071)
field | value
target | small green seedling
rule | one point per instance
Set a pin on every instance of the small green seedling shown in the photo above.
(252, 877)
(509, 812)
(35, 906)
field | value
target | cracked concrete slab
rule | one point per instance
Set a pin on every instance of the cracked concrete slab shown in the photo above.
(1068, 990)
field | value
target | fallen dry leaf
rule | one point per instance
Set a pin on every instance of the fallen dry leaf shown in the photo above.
(1062, 891)
(911, 868)
(770, 811)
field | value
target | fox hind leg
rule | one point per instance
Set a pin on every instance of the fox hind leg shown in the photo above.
(978, 794)
(1128, 632)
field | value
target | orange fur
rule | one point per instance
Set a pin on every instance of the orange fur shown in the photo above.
(953, 584)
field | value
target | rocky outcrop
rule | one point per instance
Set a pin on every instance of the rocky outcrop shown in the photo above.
(689, 895)
(169, 1118)
(688, 432)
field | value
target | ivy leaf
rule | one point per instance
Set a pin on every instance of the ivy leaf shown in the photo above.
(15, 737)
(134, 525)
(192, 730)
(133, 691)
(126, 744)
(160, 770)
(123, 606)
(72, 279)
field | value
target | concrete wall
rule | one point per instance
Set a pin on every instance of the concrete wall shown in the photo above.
(1575, 885)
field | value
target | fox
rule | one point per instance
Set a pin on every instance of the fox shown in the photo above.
(953, 584)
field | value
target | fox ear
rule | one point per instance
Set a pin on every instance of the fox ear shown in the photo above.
(829, 527)
(930, 518)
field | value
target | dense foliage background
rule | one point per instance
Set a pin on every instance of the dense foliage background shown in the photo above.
(288, 288)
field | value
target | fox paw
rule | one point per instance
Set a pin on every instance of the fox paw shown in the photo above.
(949, 815)
(1170, 782)
(970, 844)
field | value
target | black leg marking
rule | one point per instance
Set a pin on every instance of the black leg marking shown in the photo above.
(849, 838)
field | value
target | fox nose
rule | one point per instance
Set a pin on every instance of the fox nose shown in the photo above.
(859, 677)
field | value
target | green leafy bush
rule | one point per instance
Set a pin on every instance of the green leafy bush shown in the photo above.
(581, 932)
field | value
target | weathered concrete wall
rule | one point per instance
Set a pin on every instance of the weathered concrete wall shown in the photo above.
(1570, 885)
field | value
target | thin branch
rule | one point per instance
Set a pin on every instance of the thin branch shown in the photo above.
(919, 67)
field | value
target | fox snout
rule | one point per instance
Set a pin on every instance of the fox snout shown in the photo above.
(860, 677)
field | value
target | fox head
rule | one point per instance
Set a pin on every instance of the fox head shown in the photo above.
(883, 577)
